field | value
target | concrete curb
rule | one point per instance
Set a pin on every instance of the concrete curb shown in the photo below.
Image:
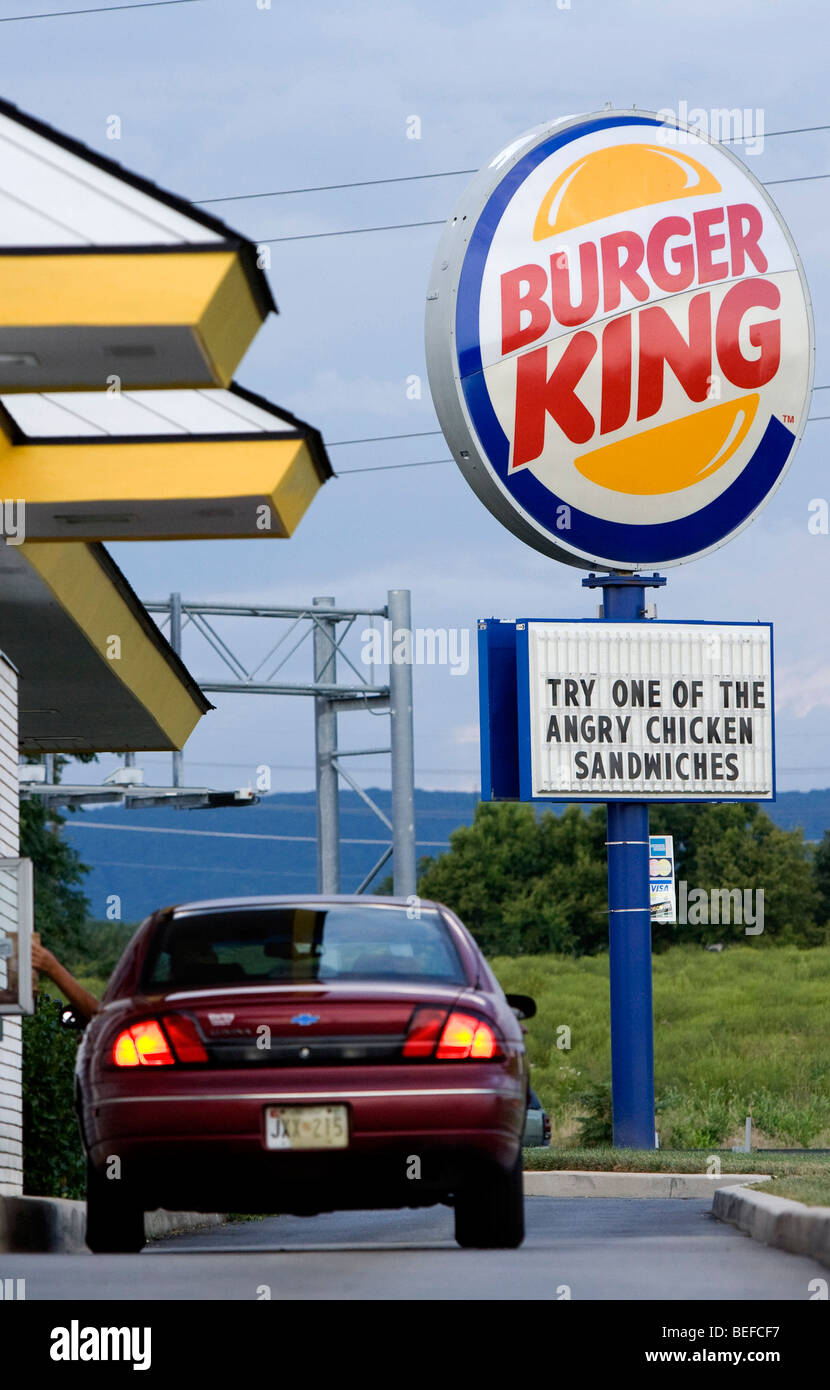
(776, 1221)
(580, 1183)
(167, 1223)
(31, 1225)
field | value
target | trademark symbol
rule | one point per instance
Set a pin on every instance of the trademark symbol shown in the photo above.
(788, 419)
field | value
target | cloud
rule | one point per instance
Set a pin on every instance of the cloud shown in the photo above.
(803, 687)
(230, 99)
(365, 395)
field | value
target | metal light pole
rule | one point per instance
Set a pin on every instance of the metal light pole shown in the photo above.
(325, 741)
(629, 918)
(403, 752)
(176, 644)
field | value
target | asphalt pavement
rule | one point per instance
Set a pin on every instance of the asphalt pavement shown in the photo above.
(578, 1248)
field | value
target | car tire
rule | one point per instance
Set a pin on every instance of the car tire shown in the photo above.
(490, 1211)
(114, 1226)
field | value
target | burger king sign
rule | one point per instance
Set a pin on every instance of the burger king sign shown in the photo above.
(619, 341)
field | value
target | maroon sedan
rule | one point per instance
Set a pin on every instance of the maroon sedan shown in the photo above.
(304, 1055)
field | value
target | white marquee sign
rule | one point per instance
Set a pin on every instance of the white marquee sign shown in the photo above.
(658, 711)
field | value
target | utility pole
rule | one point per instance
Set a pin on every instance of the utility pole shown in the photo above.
(402, 744)
(325, 740)
(176, 644)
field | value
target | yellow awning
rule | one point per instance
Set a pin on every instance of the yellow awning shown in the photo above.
(96, 674)
(191, 464)
(104, 275)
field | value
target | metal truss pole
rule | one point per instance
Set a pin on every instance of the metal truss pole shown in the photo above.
(402, 743)
(325, 739)
(176, 644)
(331, 698)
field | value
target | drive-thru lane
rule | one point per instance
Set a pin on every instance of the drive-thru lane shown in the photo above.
(580, 1248)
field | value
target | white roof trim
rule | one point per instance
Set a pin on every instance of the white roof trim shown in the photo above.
(52, 196)
(99, 414)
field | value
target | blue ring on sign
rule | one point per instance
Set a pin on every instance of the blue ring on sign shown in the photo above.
(655, 543)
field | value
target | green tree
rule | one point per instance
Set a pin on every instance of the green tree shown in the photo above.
(61, 906)
(737, 846)
(821, 875)
(53, 1160)
(102, 946)
(526, 883)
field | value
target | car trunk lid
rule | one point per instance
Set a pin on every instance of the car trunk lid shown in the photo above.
(325, 1024)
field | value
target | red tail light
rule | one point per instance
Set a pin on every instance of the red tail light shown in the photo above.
(466, 1036)
(424, 1032)
(455, 1038)
(142, 1044)
(145, 1044)
(184, 1036)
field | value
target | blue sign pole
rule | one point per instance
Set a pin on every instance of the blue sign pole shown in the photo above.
(629, 917)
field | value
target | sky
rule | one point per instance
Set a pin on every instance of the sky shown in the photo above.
(218, 98)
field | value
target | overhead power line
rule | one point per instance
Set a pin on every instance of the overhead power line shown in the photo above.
(767, 135)
(382, 467)
(330, 187)
(349, 231)
(455, 173)
(441, 221)
(225, 834)
(430, 463)
(801, 178)
(421, 434)
(152, 760)
(96, 9)
(257, 873)
(381, 438)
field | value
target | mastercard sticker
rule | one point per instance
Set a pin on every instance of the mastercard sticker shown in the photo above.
(619, 341)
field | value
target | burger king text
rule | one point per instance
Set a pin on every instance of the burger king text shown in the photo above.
(716, 244)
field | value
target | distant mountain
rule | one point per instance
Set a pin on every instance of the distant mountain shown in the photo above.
(810, 810)
(150, 857)
(147, 858)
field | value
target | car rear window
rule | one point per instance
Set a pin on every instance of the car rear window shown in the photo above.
(250, 946)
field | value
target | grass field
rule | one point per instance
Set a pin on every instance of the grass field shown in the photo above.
(813, 1192)
(736, 1032)
(807, 1168)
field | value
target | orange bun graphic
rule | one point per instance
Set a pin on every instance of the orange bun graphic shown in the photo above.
(618, 179)
(668, 457)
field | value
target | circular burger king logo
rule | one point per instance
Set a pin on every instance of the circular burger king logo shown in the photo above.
(619, 341)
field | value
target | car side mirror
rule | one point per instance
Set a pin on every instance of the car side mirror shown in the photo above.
(522, 1005)
(70, 1019)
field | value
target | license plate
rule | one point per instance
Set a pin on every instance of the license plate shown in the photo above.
(306, 1127)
